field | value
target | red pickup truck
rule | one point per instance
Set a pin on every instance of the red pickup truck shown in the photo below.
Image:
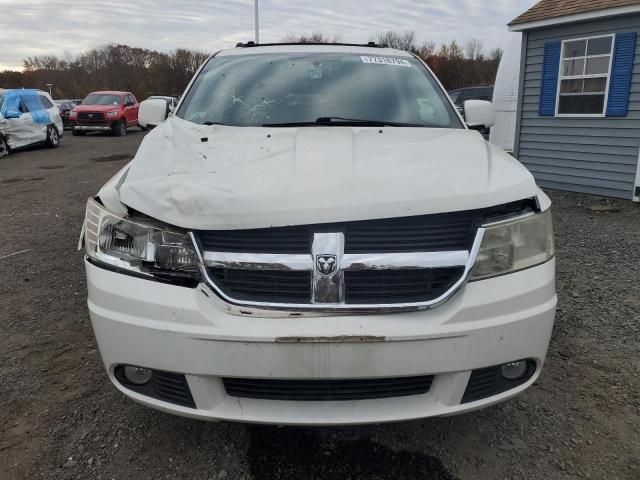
(108, 111)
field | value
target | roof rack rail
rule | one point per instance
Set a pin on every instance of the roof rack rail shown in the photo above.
(254, 44)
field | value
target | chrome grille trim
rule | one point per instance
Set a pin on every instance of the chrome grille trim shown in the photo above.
(258, 261)
(404, 261)
(350, 261)
(327, 287)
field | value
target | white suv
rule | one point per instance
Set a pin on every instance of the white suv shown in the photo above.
(316, 237)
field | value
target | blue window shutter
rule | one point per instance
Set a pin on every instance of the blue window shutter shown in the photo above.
(621, 72)
(549, 84)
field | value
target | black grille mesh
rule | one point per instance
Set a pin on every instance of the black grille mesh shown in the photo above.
(264, 285)
(327, 390)
(91, 118)
(166, 386)
(398, 286)
(423, 233)
(486, 382)
(429, 233)
(291, 240)
(420, 233)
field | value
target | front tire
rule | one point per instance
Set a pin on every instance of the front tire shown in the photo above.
(53, 137)
(76, 133)
(4, 147)
(119, 128)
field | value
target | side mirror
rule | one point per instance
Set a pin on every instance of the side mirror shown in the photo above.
(129, 104)
(11, 114)
(479, 114)
(152, 112)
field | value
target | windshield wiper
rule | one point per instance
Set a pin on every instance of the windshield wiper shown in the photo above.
(342, 121)
(209, 123)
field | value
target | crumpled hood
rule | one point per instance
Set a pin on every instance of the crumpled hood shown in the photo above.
(219, 177)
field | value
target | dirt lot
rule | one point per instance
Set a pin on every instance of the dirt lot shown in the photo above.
(60, 418)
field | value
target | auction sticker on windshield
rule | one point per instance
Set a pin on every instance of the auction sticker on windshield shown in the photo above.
(386, 61)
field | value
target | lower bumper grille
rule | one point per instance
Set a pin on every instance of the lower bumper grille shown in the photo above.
(487, 382)
(165, 386)
(327, 390)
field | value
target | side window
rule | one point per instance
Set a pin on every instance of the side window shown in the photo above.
(129, 99)
(32, 102)
(585, 68)
(45, 101)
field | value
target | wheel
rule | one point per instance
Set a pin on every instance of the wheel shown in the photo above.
(53, 137)
(4, 148)
(119, 129)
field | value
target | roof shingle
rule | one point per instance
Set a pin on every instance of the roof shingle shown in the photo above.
(547, 9)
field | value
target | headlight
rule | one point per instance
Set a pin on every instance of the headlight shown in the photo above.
(148, 250)
(112, 114)
(73, 114)
(514, 245)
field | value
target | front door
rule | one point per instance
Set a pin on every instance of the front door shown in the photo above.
(131, 110)
(24, 130)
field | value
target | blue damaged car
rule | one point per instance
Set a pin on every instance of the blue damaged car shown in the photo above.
(28, 117)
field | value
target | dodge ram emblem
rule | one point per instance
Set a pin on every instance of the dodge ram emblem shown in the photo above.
(326, 264)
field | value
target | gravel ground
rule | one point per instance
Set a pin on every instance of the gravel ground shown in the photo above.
(61, 419)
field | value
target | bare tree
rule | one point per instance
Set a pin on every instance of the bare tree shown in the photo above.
(314, 37)
(426, 50)
(473, 49)
(496, 54)
(121, 67)
(146, 72)
(401, 41)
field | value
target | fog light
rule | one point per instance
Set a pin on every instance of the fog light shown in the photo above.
(137, 375)
(514, 370)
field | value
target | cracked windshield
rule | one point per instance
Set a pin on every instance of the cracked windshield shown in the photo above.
(272, 90)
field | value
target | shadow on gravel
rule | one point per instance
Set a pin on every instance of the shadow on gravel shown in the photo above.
(11, 180)
(298, 453)
(111, 158)
(51, 167)
(20, 179)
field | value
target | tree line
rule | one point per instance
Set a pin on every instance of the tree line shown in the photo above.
(147, 72)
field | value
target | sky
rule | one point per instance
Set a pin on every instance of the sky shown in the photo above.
(57, 27)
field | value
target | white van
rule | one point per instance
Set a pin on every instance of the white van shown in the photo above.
(316, 237)
(505, 95)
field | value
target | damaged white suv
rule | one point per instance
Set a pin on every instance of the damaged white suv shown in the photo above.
(316, 237)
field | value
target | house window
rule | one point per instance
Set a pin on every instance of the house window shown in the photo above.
(584, 76)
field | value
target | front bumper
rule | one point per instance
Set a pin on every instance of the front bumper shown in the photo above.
(92, 128)
(191, 331)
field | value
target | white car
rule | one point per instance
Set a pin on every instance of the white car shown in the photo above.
(315, 237)
(28, 117)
